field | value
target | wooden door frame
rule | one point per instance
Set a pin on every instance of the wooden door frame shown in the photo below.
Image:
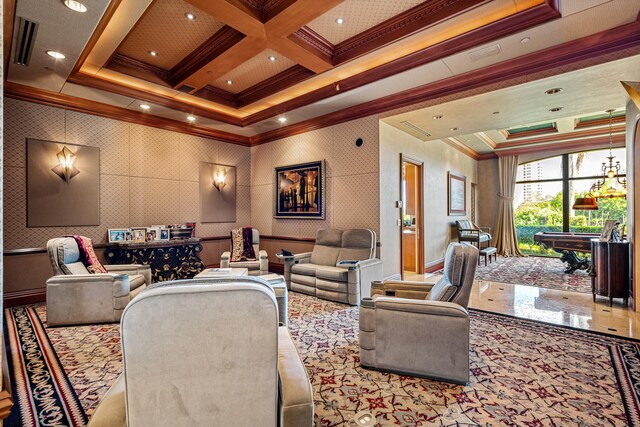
(474, 203)
(420, 219)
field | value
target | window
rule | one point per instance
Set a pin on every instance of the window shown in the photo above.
(546, 189)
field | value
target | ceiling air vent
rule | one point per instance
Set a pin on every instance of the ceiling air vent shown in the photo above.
(186, 88)
(416, 128)
(26, 40)
(484, 52)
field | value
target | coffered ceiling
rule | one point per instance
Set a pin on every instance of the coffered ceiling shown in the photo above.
(237, 66)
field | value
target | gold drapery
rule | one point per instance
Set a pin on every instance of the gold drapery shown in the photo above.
(506, 240)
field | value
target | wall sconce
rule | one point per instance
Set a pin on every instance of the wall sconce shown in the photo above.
(65, 168)
(219, 178)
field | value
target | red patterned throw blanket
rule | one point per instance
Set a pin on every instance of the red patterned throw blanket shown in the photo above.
(242, 245)
(88, 255)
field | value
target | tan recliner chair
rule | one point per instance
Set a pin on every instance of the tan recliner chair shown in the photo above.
(324, 273)
(259, 267)
(74, 296)
(422, 329)
(207, 352)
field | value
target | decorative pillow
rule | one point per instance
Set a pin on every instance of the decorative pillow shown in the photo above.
(89, 259)
(74, 268)
(242, 245)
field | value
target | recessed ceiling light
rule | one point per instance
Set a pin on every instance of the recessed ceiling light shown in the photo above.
(54, 54)
(438, 117)
(145, 107)
(339, 21)
(282, 119)
(553, 91)
(454, 129)
(525, 40)
(229, 82)
(555, 109)
(153, 53)
(271, 58)
(76, 6)
(191, 118)
(190, 16)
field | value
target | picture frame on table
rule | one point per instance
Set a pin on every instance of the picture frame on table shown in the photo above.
(300, 191)
(456, 194)
(139, 234)
(607, 229)
(163, 234)
(117, 235)
(152, 234)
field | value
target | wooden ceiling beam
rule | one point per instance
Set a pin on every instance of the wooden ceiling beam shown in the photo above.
(235, 14)
(296, 15)
(230, 59)
(302, 53)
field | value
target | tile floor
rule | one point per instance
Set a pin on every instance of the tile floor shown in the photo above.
(553, 306)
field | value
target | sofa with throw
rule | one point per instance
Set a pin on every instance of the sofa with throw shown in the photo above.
(75, 296)
(224, 360)
(418, 328)
(257, 267)
(340, 268)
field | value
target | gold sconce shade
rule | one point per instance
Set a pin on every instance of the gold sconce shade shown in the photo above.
(585, 204)
(65, 168)
(219, 179)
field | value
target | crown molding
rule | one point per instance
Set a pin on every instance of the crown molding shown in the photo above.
(28, 93)
(553, 58)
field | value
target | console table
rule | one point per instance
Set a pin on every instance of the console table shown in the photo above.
(168, 259)
(610, 275)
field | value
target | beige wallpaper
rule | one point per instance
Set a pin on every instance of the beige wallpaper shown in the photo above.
(438, 158)
(147, 176)
(352, 177)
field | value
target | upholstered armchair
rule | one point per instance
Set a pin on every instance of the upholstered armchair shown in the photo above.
(259, 267)
(340, 268)
(74, 296)
(207, 352)
(469, 232)
(418, 328)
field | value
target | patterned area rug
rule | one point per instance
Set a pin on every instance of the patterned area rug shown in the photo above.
(522, 373)
(626, 363)
(42, 393)
(542, 272)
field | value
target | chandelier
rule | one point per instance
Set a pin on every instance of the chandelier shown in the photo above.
(610, 171)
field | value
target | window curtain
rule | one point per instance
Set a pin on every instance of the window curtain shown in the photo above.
(506, 240)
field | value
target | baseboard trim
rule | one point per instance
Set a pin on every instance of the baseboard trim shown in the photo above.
(433, 266)
(31, 296)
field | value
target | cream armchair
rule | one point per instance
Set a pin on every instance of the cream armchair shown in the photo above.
(74, 296)
(207, 352)
(340, 268)
(422, 329)
(259, 267)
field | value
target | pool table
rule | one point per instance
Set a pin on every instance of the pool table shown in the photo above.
(568, 244)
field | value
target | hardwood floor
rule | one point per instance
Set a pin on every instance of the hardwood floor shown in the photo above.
(559, 307)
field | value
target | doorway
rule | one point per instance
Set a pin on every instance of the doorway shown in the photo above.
(411, 216)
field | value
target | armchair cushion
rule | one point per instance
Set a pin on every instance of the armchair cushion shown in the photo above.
(74, 268)
(305, 269)
(332, 273)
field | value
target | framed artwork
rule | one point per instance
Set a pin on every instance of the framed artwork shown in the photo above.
(299, 191)
(163, 234)
(457, 193)
(139, 234)
(118, 235)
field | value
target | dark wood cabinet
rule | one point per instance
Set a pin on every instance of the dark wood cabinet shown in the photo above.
(610, 274)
